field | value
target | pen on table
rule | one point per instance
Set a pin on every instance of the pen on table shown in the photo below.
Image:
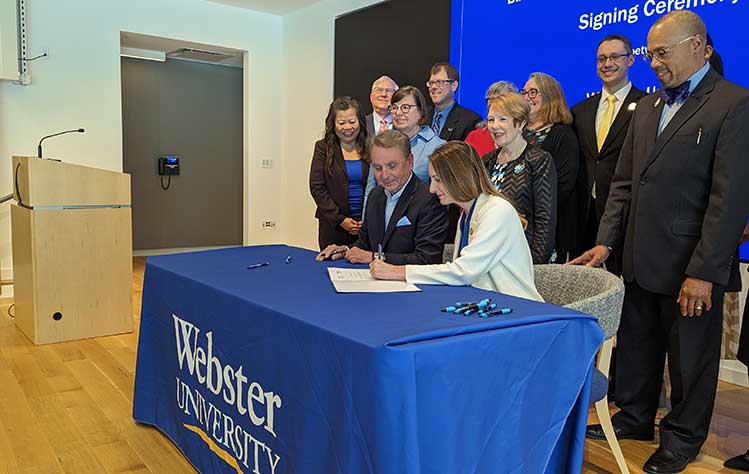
(471, 308)
(450, 309)
(481, 309)
(699, 136)
(288, 259)
(258, 265)
(496, 313)
(379, 251)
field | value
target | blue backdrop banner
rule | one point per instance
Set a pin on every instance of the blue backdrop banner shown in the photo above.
(493, 40)
(268, 370)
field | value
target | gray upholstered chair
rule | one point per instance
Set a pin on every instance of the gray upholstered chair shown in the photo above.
(447, 253)
(599, 293)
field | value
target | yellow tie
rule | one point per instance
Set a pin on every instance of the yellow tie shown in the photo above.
(608, 117)
(603, 129)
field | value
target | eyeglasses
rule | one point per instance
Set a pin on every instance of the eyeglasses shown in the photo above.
(614, 58)
(386, 90)
(530, 93)
(662, 53)
(439, 82)
(404, 108)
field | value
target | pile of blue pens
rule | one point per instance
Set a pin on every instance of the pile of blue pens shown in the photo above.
(484, 309)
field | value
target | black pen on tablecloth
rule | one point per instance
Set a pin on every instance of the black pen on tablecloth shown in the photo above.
(258, 265)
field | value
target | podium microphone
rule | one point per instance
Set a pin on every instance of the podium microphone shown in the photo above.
(39, 147)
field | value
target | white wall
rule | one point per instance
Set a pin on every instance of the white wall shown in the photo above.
(78, 85)
(8, 40)
(308, 43)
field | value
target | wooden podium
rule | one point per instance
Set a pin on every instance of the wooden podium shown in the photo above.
(72, 251)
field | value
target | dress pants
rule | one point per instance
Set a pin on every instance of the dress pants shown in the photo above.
(652, 328)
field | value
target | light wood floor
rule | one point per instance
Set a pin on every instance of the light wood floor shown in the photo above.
(66, 408)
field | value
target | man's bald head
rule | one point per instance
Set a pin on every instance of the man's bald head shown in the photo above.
(688, 22)
(676, 43)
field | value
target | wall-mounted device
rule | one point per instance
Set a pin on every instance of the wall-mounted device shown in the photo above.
(168, 166)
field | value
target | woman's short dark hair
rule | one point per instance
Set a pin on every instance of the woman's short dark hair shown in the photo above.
(417, 96)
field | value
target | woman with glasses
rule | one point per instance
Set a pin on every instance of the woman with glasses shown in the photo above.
(339, 173)
(549, 128)
(490, 248)
(524, 173)
(480, 139)
(408, 108)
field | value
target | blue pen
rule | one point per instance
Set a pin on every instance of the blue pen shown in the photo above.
(379, 251)
(288, 259)
(450, 309)
(258, 265)
(480, 305)
(496, 313)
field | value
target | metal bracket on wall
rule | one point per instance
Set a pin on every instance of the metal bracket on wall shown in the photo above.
(23, 46)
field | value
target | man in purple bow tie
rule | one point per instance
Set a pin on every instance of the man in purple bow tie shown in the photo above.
(675, 94)
(677, 207)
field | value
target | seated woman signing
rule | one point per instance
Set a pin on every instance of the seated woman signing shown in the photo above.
(491, 251)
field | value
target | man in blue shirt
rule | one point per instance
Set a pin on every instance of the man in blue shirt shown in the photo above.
(401, 217)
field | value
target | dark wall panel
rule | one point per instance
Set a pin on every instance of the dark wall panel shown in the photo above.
(400, 38)
(192, 110)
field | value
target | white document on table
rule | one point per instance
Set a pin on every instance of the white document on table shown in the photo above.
(358, 280)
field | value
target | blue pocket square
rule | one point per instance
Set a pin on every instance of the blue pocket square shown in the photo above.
(403, 221)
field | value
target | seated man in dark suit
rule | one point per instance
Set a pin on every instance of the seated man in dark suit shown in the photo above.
(449, 120)
(402, 215)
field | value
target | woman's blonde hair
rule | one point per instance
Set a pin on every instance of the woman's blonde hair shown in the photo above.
(554, 107)
(512, 105)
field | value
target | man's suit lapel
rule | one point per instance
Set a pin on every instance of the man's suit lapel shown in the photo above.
(400, 209)
(694, 102)
(371, 126)
(451, 122)
(621, 120)
(589, 124)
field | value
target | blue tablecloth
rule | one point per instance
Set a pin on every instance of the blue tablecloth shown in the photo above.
(268, 370)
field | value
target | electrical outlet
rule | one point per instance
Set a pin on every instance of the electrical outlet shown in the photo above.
(266, 163)
(269, 224)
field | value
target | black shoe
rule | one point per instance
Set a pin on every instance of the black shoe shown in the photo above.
(740, 462)
(665, 461)
(641, 434)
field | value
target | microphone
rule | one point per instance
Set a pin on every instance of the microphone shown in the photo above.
(39, 147)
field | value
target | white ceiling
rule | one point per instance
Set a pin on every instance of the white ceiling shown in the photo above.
(277, 7)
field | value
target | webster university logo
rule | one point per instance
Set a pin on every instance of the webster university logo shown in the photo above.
(243, 399)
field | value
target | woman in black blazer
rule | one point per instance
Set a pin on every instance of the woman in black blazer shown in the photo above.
(549, 129)
(525, 174)
(338, 174)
